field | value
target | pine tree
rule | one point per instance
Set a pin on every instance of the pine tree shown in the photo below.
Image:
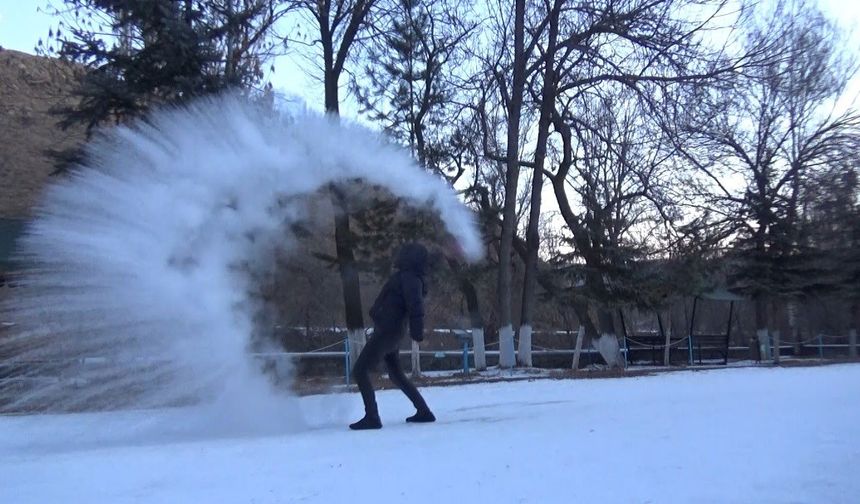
(405, 86)
(145, 53)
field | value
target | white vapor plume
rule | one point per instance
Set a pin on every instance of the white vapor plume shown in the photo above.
(141, 260)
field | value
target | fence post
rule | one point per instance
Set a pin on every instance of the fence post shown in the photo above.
(415, 356)
(852, 343)
(775, 342)
(624, 330)
(820, 346)
(692, 327)
(729, 332)
(577, 351)
(667, 337)
(346, 363)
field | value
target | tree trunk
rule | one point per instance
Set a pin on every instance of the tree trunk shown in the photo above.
(476, 320)
(761, 330)
(507, 357)
(348, 274)
(792, 324)
(852, 343)
(577, 349)
(852, 333)
(478, 345)
(230, 49)
(580, 308)
(343, 237)
(506, 333)
(332, 98)
(357, 339)
(524, 354)
(416, 359)
(586, 328)
(776, 342)
(607, 344)
(666, 329)
(775, 333)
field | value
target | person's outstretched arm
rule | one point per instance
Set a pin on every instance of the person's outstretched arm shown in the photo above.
(413, 292)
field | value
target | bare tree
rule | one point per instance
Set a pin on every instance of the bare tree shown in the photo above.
(514, 101)
(546, 105)
(339, 24)
(508, 71)
(768, 132)
(616, 177)
(599, 50)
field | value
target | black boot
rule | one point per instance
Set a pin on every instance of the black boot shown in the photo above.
(366, 423)
(422, 416)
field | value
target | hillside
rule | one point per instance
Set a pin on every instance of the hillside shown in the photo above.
(30, 86)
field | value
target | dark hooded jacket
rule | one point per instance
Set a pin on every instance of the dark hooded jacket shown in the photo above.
(402, 296)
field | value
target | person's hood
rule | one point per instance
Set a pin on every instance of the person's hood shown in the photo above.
(412, 257)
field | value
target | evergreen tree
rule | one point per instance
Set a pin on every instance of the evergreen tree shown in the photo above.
(406, 84)
(143, 53)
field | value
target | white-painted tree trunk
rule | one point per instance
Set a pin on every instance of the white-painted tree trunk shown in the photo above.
(416, 358)
(524, 352)
(577, 349)
(763, 344)
(478, 348)
(507, 359)
(667, 350)
(609, 349)
(284, 369)
(776, 342)
(357, 340)
(792, 324)
(852, 332)
(852, 343)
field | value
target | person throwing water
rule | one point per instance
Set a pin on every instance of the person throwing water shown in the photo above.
(401, 299)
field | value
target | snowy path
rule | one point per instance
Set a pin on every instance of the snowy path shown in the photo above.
(729, 436)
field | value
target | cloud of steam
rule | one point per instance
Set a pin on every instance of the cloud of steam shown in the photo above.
(141, 260)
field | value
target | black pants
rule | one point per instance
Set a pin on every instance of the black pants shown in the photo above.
(387, 349)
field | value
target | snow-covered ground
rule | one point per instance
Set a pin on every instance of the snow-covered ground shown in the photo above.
(728, 436)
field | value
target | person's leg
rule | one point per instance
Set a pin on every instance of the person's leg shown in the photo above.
(366, 361)
(398, 377)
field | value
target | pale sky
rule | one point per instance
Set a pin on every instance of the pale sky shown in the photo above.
(22, 25)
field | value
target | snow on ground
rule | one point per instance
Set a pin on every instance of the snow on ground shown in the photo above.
(729, 436)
